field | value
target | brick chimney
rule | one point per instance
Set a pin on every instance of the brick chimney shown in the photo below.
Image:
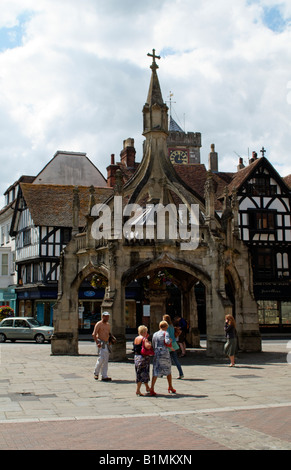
(127, 154)
(111, 171)
(254, 157)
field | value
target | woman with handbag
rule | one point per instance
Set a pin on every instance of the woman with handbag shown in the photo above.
(142, 357)
(162, 360)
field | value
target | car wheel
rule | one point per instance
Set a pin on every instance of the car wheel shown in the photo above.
(39, 338)
(2, 338)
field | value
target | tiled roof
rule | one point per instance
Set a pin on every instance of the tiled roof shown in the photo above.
(242, 175)
(195, 177)
(52, 205)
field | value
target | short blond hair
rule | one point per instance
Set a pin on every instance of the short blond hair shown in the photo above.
(142, 329)
(163, 325)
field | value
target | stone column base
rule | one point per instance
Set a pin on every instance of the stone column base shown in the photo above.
(215, 346)
(250, 341)
(118, 351)
(64, 344)
(193, 337)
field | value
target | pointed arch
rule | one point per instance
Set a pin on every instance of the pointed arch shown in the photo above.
(90, 268)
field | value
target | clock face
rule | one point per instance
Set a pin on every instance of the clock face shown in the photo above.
(179, 156)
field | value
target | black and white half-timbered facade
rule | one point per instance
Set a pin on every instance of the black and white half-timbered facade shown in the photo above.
(42, 225)
(38, 247)
(264, 221)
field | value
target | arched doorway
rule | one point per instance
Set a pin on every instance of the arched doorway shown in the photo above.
(165, 288)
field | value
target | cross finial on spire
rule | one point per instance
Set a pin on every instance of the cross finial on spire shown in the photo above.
(263, 151)
(154, 66)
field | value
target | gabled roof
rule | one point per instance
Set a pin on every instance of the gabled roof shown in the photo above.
(52, 205)
(242, 176)
(71, 168)
(246, 173)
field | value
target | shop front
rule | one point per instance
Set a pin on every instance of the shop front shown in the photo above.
(8, 297)
(37, 302)
(274, 306)
(90, 301)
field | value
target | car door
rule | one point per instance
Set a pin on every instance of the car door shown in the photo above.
(22, 330)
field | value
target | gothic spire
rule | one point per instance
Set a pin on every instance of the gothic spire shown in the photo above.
(154, 94)
(155, 110)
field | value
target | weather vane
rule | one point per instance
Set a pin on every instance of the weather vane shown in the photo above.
(170, 101)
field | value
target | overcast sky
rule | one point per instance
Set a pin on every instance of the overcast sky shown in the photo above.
(74, 75)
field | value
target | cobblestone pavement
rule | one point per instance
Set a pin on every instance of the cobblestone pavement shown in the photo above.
(53, 402)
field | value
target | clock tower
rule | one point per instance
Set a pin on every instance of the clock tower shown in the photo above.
(184, 148)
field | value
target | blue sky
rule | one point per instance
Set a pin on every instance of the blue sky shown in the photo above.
(11, 36)
(273, 18)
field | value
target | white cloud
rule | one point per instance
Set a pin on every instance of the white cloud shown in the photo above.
(78, 77)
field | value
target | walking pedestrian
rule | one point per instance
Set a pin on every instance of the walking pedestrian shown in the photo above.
(101, 335)
(142, 362)
(162, 361)
(182, 324)
(175, 346)
(231, 339)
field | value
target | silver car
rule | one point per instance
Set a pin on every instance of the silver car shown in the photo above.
(22, 328)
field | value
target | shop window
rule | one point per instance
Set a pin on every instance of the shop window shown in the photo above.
(268, 311)
(89, 314)
(286, 313)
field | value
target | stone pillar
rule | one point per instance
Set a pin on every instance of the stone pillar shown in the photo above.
(214, 323)
(114, 303)
(65, 320)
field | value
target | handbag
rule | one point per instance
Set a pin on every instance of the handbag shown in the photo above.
(145, 351)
